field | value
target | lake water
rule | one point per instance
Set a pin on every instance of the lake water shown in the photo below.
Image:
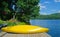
(53, 25)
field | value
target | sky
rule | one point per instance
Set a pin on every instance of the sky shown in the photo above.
(48, 7)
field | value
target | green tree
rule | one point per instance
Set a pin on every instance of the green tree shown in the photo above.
(29, 9)
(25, 9)
(5, 13)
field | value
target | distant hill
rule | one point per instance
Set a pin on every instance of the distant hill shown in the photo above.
(51, 16)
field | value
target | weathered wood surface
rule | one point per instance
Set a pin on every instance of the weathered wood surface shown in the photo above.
(4, 34)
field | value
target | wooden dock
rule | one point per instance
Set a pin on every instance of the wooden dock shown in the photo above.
(4, 34)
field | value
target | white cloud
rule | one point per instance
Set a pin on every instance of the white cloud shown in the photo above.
(57, 0)
(55, 11)
(59, 11)
(42, 7)
(43, 13)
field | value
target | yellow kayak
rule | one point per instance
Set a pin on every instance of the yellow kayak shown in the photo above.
(24, 29)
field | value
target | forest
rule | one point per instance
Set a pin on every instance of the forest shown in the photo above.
(51, 16)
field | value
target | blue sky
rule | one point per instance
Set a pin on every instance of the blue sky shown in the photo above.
(49, 6)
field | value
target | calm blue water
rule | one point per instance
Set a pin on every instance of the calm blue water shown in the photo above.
(53, 25)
